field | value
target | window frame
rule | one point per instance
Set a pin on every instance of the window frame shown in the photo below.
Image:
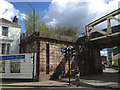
(3, 48)
(8, 48)
(15, 66)
(5, 31)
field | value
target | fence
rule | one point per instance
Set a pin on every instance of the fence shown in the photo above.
(18, 66)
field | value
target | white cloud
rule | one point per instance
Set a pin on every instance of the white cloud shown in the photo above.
(22, 16)
(8, 11)
(78, 12)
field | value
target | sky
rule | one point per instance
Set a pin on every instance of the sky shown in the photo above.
(60, 12)
(103, 52)
(77, 13)
(24, 7)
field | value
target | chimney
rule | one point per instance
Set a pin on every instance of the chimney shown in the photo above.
(15, 20)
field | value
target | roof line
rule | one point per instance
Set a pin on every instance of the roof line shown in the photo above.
(10, 22)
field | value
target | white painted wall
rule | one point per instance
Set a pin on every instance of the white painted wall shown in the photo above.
(0, 27)
(16, 39)
(0, 47)
(13, 37)
(0, 35)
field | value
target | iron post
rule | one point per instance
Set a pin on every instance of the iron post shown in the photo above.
(33, 43)
(33, 39)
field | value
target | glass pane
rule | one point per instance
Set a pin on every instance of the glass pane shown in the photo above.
(15, 66)
(8, 48)
(4, 31)
(3, 48)
(2, 66)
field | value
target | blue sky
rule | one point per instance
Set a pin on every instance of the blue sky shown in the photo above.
(76, 13)
(24, 7)
(38, 6)
(60, 12)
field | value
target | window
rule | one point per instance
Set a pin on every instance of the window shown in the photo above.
(15, 66)
(8, 48)
(2, 66)
(3, 48)
(4, 31)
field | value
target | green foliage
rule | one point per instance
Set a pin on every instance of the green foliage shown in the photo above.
(66, 31)
(39, 24)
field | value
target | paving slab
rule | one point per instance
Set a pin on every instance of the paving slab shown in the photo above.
(106, 80)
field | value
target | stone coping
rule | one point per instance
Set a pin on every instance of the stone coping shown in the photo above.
(57, 37)
(47, 35)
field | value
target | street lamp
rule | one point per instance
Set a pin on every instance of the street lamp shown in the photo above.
(33, 38)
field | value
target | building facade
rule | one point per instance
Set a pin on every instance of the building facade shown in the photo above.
(9, 36)
(109, 54)
(115, 56)
(51, 62)
(9, 44)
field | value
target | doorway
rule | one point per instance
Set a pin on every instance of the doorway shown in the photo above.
(47, 58)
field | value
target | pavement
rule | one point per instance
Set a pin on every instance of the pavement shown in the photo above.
(107, 80)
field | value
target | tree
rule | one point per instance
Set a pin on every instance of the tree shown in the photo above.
(66, 31)
(39, 24)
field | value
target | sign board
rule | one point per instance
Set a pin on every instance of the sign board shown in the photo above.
(12, 57)
(17, 66)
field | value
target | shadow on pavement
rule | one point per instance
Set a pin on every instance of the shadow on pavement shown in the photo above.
(104, 77)
(91, 86)
(97, 87)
